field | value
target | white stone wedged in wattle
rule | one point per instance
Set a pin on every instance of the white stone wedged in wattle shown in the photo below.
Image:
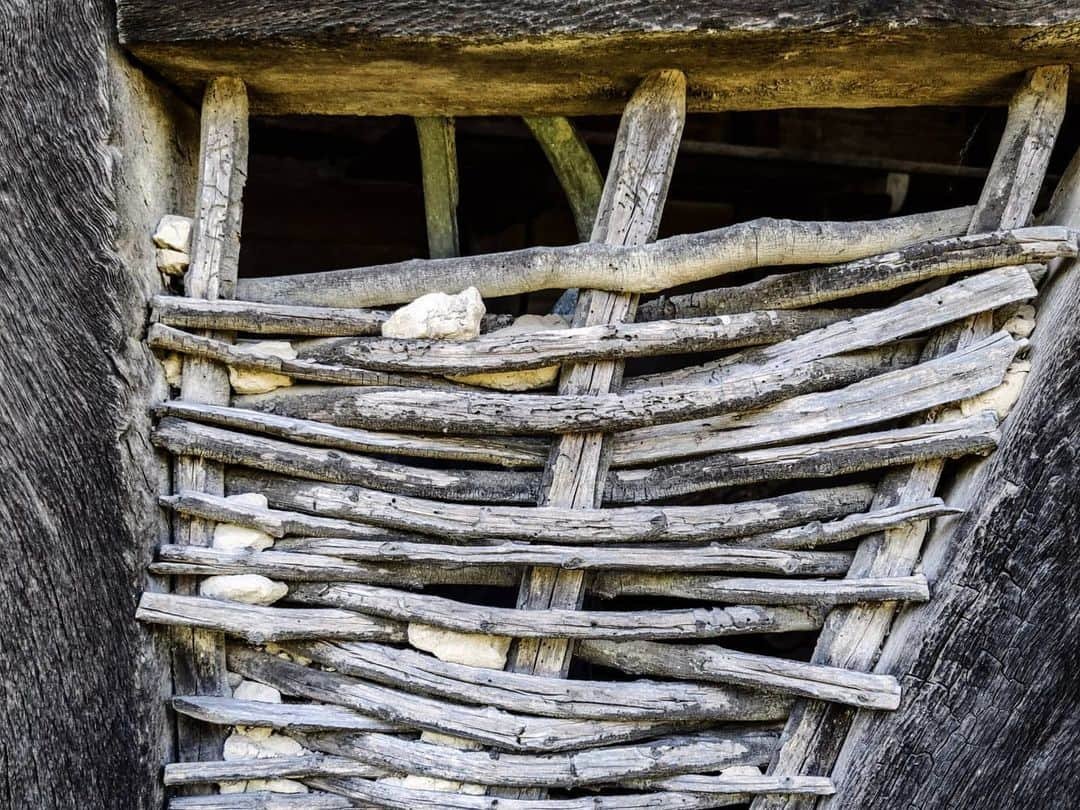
(438, 316)
(252, 589)
(253, 690)
(471, 649)
(252, 381)
(529, 379)
(230, 537)
(173, 232)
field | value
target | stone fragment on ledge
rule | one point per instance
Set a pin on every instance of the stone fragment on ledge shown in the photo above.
(253, 381)
(471, 649)
(252, 589)
(438, 316)
(173, 232)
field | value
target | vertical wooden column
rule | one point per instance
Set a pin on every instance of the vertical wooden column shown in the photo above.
(438, 161)
(199, 657)
(629, 214)
(852, 636)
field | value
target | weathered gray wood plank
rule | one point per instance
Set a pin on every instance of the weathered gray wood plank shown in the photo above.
(973, 435)
(302, 717)
(553, 523)
(278, 319)
(708, 663)
(872, 400)
(561, 623)
(737, 590)
(506, 451)
(290, 566)
(961, 299)
(545, 696)
(380, 754)
(919, 262)
(615, 267)
(610, 341)
(272, 455)
(258, 624)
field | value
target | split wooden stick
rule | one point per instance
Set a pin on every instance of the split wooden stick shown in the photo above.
(199, 657)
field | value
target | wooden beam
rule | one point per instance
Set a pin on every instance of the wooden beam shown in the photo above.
(470, 58)
(199, 656)
(556, 623)
(548, 697)
(853, 636)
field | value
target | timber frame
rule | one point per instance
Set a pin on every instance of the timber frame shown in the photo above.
(472, 57)
(802, 393)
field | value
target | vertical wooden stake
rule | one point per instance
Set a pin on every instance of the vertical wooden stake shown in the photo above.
(438, 161)
(852, 636)
(199, 657)
(629, 214)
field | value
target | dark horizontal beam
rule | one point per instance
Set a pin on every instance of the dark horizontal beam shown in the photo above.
(482, 57)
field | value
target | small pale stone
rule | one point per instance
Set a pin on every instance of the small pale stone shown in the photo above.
(438, 316)
(529, 379)
(253, 500)
(232, 787)
(230, 537)
(239, 746)
(171, 262)
(174, 233)
(174, 368)
(471, 649)
(252, 381)
(253, 690)
(276, 786)
(281, 652)
(252, 589)
(1022, 323)
(234, 678)
(1000, 399)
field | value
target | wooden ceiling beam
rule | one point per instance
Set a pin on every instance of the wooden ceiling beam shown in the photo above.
(533, 57)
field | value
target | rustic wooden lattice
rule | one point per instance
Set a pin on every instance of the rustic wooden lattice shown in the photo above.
(390, 479)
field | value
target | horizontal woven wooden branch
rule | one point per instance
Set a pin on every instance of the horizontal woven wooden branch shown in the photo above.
(651, 268)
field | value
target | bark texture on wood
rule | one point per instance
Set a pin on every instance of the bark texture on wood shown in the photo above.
(94, 155)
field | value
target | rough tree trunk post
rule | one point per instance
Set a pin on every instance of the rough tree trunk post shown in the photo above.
(94, 154)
